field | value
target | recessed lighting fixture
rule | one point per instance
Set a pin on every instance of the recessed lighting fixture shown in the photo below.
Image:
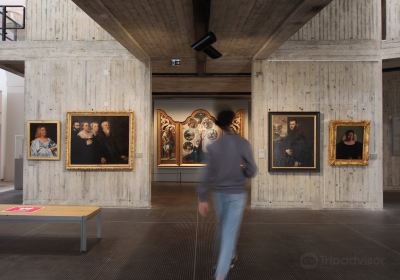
(175, 61)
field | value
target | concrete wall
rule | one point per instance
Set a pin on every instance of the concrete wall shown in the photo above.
(77, 66)
(392, 20)
(332, 65)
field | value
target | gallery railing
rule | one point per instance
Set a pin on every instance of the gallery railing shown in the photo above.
(9, 23)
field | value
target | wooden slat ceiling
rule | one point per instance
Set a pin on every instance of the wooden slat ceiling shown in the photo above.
(15, 66)
(242, 26)
(165, 29)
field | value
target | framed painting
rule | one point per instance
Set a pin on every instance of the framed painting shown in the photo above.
(349, 142)
(43, 140)
(196, 133)
(167, 140)
(100, 140)
(293, 141)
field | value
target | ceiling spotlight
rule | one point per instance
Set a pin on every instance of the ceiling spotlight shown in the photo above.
(204, 44)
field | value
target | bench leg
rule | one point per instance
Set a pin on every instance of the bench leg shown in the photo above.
(83, 235)
(98, 225)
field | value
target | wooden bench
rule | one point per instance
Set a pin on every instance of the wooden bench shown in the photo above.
(52, 213)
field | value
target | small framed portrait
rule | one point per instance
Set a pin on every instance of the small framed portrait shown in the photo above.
(293, 141)
(349, 142)
(100, 140)
(167, 140)
(43, 140)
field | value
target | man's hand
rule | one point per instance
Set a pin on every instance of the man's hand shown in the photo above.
(203, 208)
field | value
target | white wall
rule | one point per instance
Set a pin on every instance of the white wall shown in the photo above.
(179, 109)
(13, 2)
(3, 121)
(15, 120)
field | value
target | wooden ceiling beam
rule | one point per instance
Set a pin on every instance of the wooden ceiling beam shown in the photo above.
(205, 84)
(300, 15)
(98, 11)
(201, 18)
(15, 67)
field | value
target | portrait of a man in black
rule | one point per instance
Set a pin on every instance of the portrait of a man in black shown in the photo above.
(296, 150)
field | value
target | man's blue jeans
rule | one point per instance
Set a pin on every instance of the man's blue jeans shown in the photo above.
(229, 209)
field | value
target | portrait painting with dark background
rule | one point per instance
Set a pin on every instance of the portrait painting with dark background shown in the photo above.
(51, 129)
(119, 126)
(341, 130)
(307, 125)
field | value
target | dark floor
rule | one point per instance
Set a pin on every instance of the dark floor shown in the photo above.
(170, 241)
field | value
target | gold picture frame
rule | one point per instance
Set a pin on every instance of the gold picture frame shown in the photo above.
(238, 123)
(51, 150)
(164, 123)
(204, 131)
(102, 157)
(341, 153)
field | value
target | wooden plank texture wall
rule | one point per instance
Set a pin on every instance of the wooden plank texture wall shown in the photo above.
(392, 19)
(93, 80)
(344, 20)
(54, 20)
(339, 90)
(391, 109)
(340, 86)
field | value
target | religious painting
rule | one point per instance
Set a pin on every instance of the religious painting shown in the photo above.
(43, 140)
(100, 140)
(349, 142)
(238, 123)
(167, 140)
(293, 141)
(197, 132)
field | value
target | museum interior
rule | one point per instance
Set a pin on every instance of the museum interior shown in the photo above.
(108, 110)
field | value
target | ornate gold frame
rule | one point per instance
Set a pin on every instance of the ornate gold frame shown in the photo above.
(240, 115)
(178, 126)
(128, 166)
(177, 135)
(28, 144)
(333, 138)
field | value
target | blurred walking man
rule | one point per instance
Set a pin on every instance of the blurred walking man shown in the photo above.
(230, 161)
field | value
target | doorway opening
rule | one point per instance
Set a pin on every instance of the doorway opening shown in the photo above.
(12, 91)
(176, 179)
(391, 132)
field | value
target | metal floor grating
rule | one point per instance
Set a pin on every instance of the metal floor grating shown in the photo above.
(170, 241)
